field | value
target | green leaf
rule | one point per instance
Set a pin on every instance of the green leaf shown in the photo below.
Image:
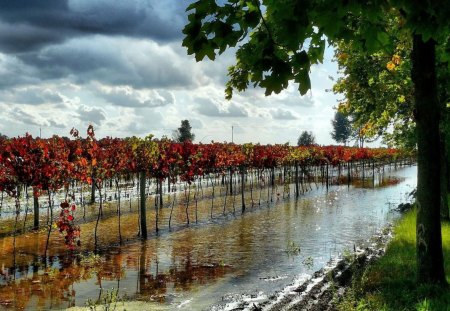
(383, 38)
(303, 80)
(300, 60)
(371, 44)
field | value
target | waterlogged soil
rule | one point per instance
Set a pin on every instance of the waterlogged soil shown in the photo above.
(221, 262)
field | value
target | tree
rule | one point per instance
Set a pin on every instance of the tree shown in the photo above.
(279, 43)
(184, 132)
(378, 89)
(342, 129)
(306, 139)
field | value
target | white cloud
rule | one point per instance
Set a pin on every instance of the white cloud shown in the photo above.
(135, 85)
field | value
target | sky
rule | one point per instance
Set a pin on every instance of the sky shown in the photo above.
(119, 65)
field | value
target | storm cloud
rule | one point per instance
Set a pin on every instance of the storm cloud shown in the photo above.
(120, 66)
(30, 25)
(30, 96)
(121, 61)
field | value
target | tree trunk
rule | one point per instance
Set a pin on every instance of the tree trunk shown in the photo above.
(444, 179)
(445, 133)
(430, 263)
(143, 198)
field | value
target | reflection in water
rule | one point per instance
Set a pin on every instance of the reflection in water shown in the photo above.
(211, 263)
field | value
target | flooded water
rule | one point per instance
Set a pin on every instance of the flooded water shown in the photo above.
(212, 265)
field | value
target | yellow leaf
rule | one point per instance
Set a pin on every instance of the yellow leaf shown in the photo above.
(396, 59)
(390, 66)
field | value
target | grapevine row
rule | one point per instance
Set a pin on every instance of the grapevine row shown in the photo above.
(53, 164)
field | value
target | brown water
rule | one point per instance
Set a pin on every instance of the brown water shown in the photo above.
(213, 264)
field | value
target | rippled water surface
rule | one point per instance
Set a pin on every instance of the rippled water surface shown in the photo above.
(210, 265)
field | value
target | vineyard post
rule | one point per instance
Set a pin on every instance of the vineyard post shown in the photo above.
(35, 211)
(373, 172)
(157, 211)
(118, 208)
(187, 203)
(142, 205)
(231, 181)
(225, 198)
(363, 172)
(92, 190)
(98, 184)
(296, 180)
(272, 177)
(212, 197)
(349, 165)
(196, 202)
(242, 188)
(339, 173)
(171, 207)
(251, 185)
(160, 193)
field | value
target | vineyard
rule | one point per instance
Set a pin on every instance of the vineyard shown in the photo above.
(79, 171)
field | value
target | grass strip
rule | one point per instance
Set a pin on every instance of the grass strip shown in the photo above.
(389, 283)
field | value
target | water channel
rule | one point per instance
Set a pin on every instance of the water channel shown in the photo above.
(213, 265)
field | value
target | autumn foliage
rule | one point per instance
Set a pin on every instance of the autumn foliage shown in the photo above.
(52, 164)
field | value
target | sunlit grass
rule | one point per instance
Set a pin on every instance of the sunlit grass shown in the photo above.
(389, 284)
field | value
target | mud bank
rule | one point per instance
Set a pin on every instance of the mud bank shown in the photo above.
(327, 285)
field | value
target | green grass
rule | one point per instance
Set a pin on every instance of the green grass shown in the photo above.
(389, 283)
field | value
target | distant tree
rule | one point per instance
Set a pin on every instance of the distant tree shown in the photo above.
(184, 132)
(342, 129)
(306, 139)
(3, 136)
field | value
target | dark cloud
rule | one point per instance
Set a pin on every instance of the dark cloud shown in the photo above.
(14, 72)
(31, 118)
(29, 25)
(210, 109)
(281, 114)
(115, 42)
(119, 61)
(26, 117)
(31, 96)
